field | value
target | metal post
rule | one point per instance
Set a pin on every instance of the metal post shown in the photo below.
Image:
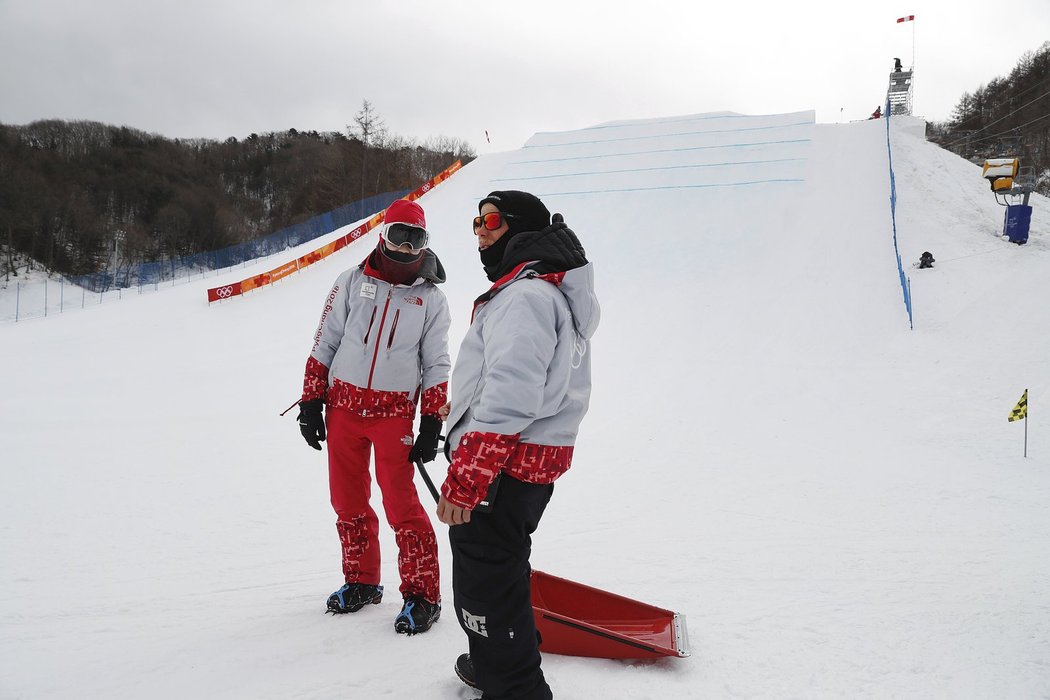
(912, 110)
(45, 297)
(18, 296)
(61, 295)
(1026, 435)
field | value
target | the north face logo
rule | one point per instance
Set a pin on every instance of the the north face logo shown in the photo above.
(414, 300)
(475, 623)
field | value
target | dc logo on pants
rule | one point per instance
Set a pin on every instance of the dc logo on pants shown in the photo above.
(474, 623)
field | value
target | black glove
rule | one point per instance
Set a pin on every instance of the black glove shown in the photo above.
(426, 447)
(311, 422)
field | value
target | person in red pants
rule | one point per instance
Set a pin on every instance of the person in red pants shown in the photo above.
(381, 347)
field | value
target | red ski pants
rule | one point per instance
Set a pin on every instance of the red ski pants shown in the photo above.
(351, 438)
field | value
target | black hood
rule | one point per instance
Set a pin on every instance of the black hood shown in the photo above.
(556, 248)
(432, 269)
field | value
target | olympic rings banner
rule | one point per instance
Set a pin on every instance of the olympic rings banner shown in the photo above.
(237, 288)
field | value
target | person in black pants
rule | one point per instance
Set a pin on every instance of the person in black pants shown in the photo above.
(490, 580)
(520, 388)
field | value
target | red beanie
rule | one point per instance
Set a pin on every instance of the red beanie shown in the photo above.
(402, 211)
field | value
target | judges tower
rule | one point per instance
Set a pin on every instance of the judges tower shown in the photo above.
(899, 92)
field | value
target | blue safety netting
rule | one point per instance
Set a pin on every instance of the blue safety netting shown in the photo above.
(153, 272)
(905, 282)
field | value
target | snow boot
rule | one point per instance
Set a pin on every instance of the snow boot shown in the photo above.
(354, 596)
(465, 670)
(417, 615)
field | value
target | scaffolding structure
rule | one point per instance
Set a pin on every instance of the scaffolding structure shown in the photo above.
(899, 92)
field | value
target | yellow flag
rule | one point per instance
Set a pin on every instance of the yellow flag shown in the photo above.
(1021, 409)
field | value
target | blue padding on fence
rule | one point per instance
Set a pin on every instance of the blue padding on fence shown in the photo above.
(297, 234)
(905, 282)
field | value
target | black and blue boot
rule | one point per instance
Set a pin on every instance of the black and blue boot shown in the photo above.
(354, 596)
(417, 616)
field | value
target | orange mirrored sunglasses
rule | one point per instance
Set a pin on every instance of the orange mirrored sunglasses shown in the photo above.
(491, 221)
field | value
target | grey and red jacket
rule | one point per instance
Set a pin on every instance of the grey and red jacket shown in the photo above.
(380, 347)
(522, 381)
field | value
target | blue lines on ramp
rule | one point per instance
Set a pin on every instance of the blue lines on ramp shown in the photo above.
(667, 136)
(676, 187)
(661, 150)
(641, 170)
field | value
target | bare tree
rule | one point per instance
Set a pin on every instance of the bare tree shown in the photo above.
(371, 131)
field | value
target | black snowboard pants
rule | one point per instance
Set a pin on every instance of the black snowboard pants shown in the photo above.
(491, 591)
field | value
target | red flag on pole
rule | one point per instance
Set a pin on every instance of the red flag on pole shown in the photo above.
(909, 18)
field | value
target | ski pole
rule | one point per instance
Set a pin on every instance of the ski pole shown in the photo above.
(426, 477)
(426, 480)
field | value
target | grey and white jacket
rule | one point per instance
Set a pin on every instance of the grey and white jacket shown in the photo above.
(379, 346)
(522, 380)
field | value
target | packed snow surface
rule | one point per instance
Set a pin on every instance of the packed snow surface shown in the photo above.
(834, 500)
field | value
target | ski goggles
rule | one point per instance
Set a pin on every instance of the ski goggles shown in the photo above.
(414, 237)
(491, 221)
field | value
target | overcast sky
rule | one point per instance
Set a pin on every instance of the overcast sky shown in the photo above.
(218, 68)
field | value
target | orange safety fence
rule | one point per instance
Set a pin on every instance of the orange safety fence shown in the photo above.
(227, 291)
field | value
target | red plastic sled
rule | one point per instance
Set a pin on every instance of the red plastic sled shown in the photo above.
(578, 620)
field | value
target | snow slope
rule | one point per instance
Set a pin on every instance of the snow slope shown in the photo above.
(836, 502)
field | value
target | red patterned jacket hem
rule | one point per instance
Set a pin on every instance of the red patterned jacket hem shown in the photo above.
(481, 456)
(370, 403)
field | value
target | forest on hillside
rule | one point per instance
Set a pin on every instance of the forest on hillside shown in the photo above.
(81, 197)
(1008, 117)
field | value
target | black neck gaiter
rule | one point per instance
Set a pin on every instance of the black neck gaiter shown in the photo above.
(492, 257)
